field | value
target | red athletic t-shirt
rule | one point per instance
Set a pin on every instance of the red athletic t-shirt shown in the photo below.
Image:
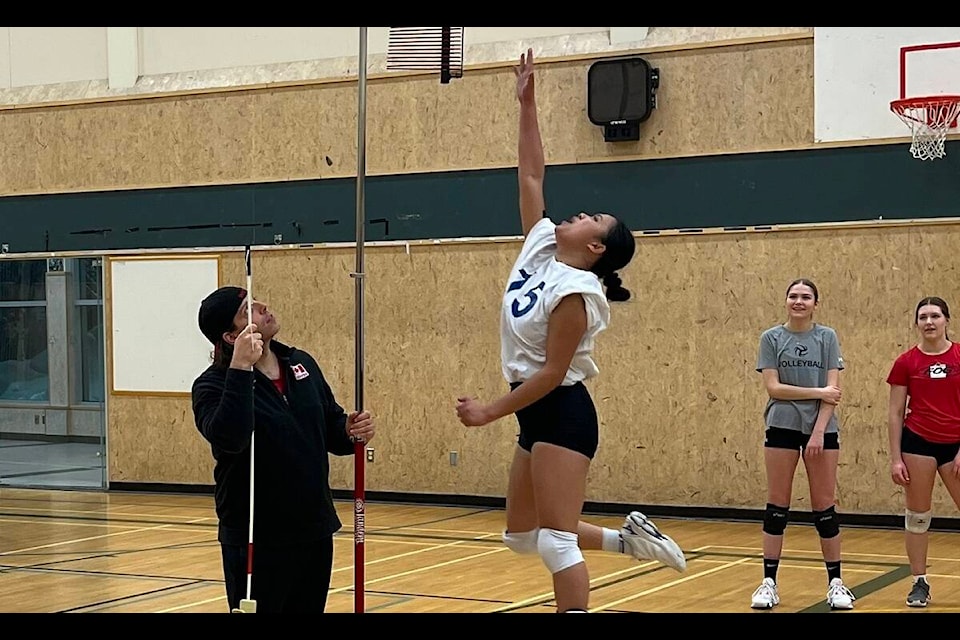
(933, 392)
(281, 384)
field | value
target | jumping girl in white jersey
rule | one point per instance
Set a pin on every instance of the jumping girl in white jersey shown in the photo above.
(554, 306)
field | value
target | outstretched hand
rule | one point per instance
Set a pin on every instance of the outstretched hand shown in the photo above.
(524, 73)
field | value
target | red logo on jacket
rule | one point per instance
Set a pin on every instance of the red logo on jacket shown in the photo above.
(299, 371)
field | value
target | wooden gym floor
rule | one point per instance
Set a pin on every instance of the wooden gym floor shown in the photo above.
(107, 552)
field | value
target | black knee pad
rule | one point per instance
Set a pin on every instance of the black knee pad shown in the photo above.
(775, 519)
(828, 526)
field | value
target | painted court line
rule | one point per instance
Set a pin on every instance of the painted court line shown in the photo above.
(438, 565)
(672, 583)
(548, 595)
(76, 540)
(191, 605)
(101, 512)
(893, 557)
(372, 562)
(106, 523)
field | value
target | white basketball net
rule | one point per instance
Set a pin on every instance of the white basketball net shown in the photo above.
(929, 121)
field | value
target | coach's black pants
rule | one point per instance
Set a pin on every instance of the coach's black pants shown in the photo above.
(286, 579)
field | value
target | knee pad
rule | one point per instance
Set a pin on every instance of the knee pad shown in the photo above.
(916, 522)
(775, 519)
(826, 522)
(523, 543)
(558, 549)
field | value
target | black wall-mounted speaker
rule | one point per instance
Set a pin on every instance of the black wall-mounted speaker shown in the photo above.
(621, 93)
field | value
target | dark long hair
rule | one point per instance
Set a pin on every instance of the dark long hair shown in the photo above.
(620, 246)
(222, 354)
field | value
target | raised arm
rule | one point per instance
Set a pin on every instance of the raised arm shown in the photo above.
(530, 163)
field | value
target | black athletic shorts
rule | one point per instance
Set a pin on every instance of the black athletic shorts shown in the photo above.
(777, 438)
(911, 442)
(565, 417)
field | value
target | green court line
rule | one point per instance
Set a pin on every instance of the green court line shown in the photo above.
(865, 589)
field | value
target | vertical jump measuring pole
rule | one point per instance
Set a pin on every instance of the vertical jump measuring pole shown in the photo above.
(359, 457)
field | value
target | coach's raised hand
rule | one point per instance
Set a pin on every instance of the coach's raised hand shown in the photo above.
(247, 348)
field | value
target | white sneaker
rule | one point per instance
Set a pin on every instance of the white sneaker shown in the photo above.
(647, 543)
(766, 595)
(838, 596)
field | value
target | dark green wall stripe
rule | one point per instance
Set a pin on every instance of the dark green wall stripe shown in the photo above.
(823, 185)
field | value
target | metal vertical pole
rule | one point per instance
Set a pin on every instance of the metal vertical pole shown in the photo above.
(360, 447)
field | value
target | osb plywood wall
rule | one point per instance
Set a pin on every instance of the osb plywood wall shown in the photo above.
(679, 399)
(715, 100)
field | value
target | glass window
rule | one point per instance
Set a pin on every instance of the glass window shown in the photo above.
(24, 375)
(88, 302)
(23, 280)
(89, 279)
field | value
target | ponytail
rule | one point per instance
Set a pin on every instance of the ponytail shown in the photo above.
(614, 289)
(620, 245)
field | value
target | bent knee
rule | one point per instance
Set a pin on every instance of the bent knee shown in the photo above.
(524, 542)
(558, 549)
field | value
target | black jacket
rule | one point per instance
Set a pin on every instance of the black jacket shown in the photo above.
(293, 435)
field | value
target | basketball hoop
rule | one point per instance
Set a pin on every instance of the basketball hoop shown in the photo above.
(928, 118)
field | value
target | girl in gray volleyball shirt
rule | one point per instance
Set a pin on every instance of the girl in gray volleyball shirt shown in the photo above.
(800, 361)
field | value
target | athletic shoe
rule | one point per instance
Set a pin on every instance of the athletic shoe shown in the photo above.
(647, 543)
(838, 596)
(766, 595)
(919, 594)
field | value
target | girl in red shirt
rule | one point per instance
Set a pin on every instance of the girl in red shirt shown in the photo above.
(924, 423)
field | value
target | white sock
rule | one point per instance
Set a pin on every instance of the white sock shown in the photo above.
(612, 541)
(924, 576)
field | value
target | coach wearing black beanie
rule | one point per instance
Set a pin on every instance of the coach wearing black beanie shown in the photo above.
(274, 395)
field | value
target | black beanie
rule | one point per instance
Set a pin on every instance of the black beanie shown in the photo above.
(218, 310)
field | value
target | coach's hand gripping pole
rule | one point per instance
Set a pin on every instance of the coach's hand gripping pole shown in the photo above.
(359, 457)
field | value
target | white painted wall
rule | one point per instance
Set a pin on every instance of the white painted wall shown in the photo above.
(31, 56)
(52, 55)
(177, 49)
(40, 65)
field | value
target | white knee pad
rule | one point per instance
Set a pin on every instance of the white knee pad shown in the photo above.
(524, 542)
(558, 549)
(916, 522)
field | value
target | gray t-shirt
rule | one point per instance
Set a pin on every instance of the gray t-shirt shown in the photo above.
(801, 360)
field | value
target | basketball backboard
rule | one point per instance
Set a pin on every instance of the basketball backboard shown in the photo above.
(858, 71)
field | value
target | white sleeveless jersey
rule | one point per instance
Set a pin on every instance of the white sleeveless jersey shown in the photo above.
(537, 284)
